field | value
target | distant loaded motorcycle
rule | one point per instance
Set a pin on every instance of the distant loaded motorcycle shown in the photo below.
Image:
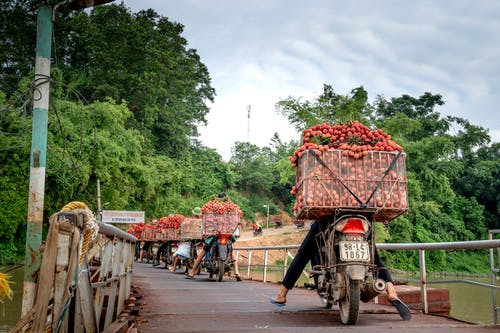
(220, 227)
(219, 258)
(257, 229)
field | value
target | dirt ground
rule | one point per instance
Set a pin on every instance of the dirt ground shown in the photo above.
(286, 235)
(289, 234)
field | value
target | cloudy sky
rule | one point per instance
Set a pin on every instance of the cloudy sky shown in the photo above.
(259, 52)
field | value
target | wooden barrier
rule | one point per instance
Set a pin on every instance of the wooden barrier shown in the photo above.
(85, 276)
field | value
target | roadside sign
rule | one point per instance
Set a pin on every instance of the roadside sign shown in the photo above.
(122, 216)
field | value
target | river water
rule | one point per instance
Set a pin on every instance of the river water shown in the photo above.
(468, 303)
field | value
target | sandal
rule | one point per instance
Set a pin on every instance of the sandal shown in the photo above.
(238, 278)
(275, 302)
(403, 309)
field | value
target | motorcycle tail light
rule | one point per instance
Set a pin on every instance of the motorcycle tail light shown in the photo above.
(352, 226)
(223, 240)
(354, 237)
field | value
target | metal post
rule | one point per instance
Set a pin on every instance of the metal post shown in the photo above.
(37, 156)
(423, 280)
(249, 263)
(99, 208)
(99, 195)
(493, 280)
(285, 262)
(267, 220)
(265, 266)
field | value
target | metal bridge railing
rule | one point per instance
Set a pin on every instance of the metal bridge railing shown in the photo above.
(420, 247)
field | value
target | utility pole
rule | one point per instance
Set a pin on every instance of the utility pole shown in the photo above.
(99, 208)
(37, 157)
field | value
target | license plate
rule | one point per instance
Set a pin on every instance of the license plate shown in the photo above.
(354, 251)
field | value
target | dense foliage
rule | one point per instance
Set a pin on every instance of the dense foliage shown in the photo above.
(127, 95)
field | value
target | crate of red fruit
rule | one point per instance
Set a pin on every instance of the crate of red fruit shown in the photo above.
(136, 230)
(148, 233)
(191, 228)
(168, 227)
(220, 216)
(349, 167)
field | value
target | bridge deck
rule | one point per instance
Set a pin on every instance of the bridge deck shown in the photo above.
(172, 303)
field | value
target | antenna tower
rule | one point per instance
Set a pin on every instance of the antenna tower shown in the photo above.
(248, 128)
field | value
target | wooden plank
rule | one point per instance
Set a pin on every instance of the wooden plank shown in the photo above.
(123, 279)
(87, 301)
(113, 288)
(62, 264)
(46, 277)
(118, 326)
(70, 281)
(106, 259)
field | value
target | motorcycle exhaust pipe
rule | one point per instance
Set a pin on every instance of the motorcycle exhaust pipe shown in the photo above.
(372, 290)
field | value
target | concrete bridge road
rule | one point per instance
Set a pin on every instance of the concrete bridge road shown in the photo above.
(172, 303)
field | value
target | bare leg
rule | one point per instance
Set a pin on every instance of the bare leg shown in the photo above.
(174, 265)
(391, 291)
(196, 264)
(235, 265)
(392, 297)
(281, 296)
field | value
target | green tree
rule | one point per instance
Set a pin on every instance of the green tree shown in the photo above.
(480, 179)
(328, 107)
(141, 58)
(252, 170)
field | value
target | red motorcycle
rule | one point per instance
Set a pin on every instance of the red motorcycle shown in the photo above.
(257, 230)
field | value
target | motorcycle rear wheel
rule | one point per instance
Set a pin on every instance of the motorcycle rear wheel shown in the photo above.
(349, 305)
(220, 269)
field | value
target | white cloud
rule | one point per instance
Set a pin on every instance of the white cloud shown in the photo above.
(259, 53)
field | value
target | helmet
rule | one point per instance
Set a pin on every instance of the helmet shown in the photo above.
(196, 211)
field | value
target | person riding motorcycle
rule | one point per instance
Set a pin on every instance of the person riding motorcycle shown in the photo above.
(257, 229)
(206, 248)
(308, 250)
(184, 250)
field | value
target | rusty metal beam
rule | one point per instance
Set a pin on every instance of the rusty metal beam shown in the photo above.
(81, 4)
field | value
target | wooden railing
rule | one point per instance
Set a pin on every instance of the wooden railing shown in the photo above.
(85, 276)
